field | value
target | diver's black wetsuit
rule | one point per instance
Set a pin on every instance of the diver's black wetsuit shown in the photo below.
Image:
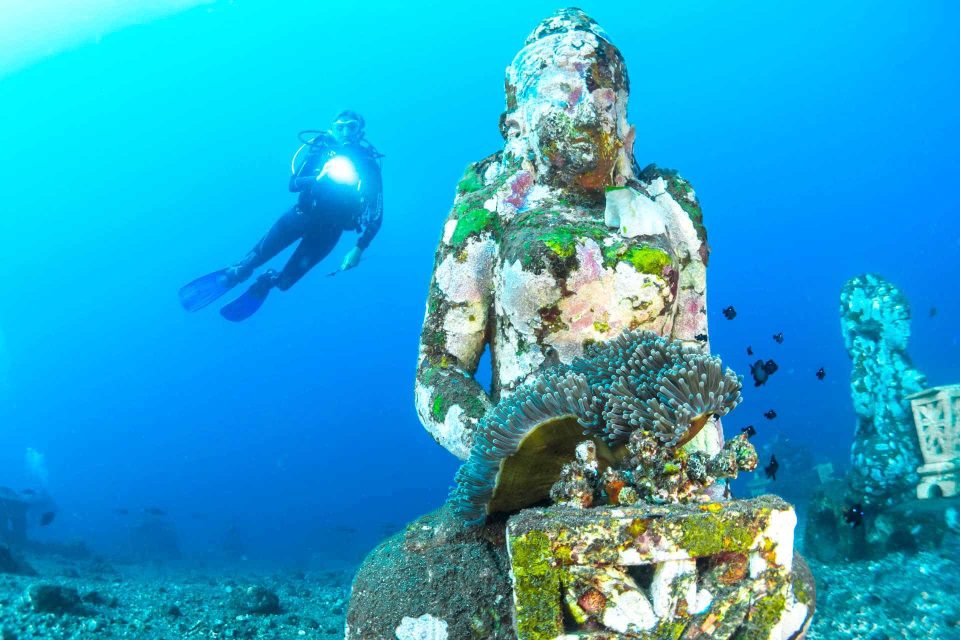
(324, 210)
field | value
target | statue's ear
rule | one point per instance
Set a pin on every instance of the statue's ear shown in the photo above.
(509, 125)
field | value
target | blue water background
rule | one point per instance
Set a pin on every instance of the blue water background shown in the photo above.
(821, 138)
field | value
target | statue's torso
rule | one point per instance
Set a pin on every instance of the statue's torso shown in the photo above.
(564, 278)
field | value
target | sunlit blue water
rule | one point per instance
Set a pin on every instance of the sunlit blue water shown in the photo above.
(821, 140)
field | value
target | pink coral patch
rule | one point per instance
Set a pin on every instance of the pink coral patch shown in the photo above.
(519, 189)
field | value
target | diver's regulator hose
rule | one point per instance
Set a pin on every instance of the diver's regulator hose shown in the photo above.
(308, 138)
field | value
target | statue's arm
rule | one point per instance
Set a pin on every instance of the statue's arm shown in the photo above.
(455, 332)
(690, 319)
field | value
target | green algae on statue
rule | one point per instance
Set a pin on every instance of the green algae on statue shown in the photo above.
(559, 240)
(718, 570)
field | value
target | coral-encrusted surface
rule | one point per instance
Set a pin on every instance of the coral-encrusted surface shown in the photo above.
(557, 241)
(717, 570)
(436, 567)
(875, 320)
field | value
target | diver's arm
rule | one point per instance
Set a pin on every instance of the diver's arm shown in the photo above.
(305, 178)
(301, 182)
(455, 333)
(373, 226)
(373, 199)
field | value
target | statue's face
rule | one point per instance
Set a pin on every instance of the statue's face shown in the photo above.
(569, 113)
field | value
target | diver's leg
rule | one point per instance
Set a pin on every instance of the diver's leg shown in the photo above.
(314, 247)
(284, 232)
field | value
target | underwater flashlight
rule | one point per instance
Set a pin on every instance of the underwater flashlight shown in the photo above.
(339, 169)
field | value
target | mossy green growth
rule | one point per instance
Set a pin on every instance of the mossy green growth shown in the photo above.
(536, 586)
(648, 259)
(471, 181)
(563, 240)
(472, 221)
(764, 614)
(644, 259)
(707, 534)
(800, 591)
(670, 629)
(473, 407)
(439, 408)
(637, 527)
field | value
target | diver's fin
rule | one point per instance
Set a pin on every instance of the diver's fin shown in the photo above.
(205, 289)
(247, 304)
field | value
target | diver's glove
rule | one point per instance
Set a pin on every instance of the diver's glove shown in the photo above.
(352, 259)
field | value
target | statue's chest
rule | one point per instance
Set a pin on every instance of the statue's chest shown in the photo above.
(573, 276)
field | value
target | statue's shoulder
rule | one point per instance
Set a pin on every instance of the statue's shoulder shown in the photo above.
(658, 182)
(480, 176)
(474, 213)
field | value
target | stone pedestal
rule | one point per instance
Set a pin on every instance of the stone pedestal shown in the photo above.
(936, 414)
(715, 570)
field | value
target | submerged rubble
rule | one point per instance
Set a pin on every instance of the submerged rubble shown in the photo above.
(91, 599)
(901, 596)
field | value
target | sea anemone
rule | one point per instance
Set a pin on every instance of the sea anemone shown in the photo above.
(651, 383)
(638, 381)
(521, 445)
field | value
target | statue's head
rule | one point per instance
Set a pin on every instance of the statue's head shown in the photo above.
(567, 105)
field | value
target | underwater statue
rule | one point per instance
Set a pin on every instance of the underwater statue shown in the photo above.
(588, 502)
(559, 240)
(875, 320)
(874, 509)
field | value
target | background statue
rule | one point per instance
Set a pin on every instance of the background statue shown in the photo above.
(875, 319)
(558, 240)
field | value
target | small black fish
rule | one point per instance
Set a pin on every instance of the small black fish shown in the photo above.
(121, 511)
(701, 337)
(749, 351)
(29, 492)
(778, 337)
(821, 374)
(771, 469)
(154, 511)
(748, 431)
(761, 371)
(854, 515)
(933, 311)
(730, 313)
(47, 517)
(770, 415)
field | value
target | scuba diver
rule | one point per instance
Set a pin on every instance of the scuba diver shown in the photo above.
(340, 189)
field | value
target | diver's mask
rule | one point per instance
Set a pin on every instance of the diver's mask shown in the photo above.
(346, 130)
